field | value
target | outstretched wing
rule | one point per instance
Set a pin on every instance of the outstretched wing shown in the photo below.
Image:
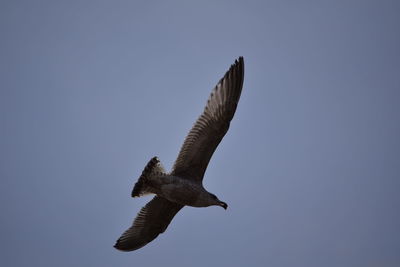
(152, 220)
(211, 126)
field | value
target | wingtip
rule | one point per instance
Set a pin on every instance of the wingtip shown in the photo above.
(118, 247)
(238, 62)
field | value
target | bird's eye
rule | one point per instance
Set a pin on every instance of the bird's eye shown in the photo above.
(214, 196)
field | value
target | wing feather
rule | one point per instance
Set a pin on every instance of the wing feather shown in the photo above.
(211, 126)
(152, 220)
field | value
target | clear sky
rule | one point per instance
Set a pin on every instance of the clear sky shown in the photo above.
(310, 168)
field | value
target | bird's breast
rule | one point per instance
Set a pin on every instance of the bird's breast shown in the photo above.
(180, 190)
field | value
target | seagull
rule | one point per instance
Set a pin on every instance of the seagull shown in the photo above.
(183, 185)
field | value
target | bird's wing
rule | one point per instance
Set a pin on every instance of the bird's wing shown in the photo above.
(152, 220)
(211, 126)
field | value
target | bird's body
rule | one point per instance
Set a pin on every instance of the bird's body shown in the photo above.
(180, 190)
(184, 191)
(183, 185)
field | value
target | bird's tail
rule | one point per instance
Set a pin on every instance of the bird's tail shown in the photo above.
(143, 185)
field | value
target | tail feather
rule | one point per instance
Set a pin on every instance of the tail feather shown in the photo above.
(142, 186)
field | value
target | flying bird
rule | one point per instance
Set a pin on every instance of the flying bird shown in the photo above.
(183, 185)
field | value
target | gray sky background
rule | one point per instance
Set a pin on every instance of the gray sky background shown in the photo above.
(91, 90)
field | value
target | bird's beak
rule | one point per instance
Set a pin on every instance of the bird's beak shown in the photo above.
(223, 204)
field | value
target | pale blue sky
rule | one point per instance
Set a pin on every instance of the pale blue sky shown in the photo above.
(91, 90)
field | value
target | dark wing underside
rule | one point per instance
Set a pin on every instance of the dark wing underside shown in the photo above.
(152, 220)
(211, 126)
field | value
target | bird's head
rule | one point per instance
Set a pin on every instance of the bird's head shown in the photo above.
(217, 202)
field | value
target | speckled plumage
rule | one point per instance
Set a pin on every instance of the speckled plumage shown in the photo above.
(183, 186)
